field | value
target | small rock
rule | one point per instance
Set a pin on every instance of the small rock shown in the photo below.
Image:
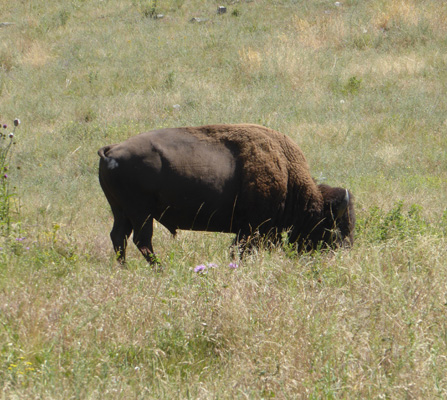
(198, 20)
(221, 10)
(159, 16)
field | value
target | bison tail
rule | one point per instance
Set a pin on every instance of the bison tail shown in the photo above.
(102, 152)
(110, 162)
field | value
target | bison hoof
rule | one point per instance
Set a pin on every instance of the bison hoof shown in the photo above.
(158, 268)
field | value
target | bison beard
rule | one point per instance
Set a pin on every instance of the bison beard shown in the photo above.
(242, 179)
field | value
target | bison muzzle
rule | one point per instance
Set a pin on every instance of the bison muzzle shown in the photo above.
(242, 179)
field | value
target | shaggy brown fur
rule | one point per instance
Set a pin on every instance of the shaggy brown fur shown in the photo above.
(229, 178)
(273, 166)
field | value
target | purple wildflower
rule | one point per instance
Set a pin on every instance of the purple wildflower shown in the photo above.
(20, 239)
(212, 265)
(5, 126)
(16, 122)
(233, 265)
(200, 269)
(5, 176)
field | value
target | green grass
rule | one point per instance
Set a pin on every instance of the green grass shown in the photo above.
(360, 87)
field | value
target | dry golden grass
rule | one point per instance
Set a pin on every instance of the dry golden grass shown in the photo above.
(341, 325)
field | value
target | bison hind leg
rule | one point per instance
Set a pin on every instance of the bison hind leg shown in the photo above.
(142, 238)
(122, 228)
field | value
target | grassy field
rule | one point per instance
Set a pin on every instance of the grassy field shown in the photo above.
(359, 85)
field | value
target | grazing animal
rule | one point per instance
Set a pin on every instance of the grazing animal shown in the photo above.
(241, 179)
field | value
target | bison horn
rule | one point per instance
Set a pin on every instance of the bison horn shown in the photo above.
(343, 205)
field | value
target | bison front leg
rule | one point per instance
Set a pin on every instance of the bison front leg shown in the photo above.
(246, 242)
(240, 244)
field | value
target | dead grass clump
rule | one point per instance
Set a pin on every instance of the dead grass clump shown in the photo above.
(397, 11)
(36, 55)
(250, 61)
(8, 58)
(320, 31)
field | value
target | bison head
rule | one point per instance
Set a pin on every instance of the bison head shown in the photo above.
(336, 224)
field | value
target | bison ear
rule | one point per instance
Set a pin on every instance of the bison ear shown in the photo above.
(343, 206)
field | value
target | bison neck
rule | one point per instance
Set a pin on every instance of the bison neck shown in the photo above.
(302, 212)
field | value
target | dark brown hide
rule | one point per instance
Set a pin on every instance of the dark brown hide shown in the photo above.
(223, 178)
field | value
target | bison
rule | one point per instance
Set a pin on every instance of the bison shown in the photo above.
(244, 179)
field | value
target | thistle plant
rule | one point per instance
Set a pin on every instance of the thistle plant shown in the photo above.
(6, 142)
